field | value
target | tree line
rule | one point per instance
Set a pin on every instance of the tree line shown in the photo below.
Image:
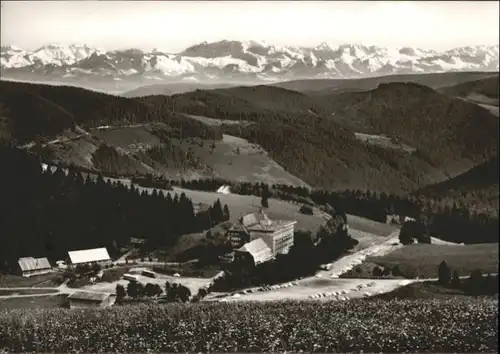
(476, 284)
(47, 214)
(136, 290)
(441, 219)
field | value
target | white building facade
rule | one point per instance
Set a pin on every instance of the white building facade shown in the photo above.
(277, 234)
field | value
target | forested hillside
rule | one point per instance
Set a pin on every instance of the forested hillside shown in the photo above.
(48, 214)
(446, 131)
(33, 111)
(477, 188)
(434, 80)
(487, 87)
(312, 138)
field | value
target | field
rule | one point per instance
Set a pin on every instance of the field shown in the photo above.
(424, 290)
(25, 292)
(218, 122)
(423, 260)
(353, 326)
(46, 280)
(232, 159)
(33, 302)
(383, 141)
(194, 284)
(240, 205)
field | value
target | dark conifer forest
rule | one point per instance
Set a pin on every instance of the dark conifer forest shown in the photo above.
(51, 213)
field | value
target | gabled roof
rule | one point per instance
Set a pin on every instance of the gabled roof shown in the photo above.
(30, 263)
(90, 255)
(88, 296)
(254, 246)
(249, 220)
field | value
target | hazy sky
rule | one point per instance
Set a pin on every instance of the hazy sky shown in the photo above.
(173, 26)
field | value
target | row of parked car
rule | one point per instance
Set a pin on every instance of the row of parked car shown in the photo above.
(279, 286)
(340, 295)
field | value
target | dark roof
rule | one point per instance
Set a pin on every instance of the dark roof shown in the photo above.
(88, 296)
(30, 263)
(259, 222)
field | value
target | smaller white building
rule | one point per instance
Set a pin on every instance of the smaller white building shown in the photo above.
(90, 256)
(257, 249)
(224, 190)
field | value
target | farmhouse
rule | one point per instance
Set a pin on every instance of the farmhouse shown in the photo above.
(29, 266)
(88, 299)
(90, 256)
(277, 234)
(256, 251)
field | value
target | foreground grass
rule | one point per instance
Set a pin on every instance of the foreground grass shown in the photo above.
(369, 325)
(433, 290)
(26, 292)
(35, 302)
(423, 260)
(45, 280)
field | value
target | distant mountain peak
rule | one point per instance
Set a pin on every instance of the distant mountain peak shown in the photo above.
(323, 46)
(242, 59)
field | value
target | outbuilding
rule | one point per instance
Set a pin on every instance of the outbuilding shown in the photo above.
(29, 266)
(81, 299)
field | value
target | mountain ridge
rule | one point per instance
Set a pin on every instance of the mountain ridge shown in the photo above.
(245, 60)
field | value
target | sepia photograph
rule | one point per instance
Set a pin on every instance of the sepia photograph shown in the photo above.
(249, 176)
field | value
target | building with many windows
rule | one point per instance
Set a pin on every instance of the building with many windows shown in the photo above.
(277, 234)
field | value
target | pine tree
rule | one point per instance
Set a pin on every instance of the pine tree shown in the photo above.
(120, 293)
(217, 212)
(132, 289)
(444, 273)
(226, 213)
(264, 202)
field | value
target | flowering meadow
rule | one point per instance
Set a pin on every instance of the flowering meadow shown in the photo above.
(453, 325)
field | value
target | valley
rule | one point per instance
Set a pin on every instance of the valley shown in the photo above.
(245, 177)
(342, 131)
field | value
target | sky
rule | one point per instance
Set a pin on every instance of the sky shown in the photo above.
(173, 26)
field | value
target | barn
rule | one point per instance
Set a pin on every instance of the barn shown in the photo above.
(29, 266)
(81, 299)
(90, 256)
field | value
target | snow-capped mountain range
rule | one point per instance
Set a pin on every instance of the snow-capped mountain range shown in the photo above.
(240, 60)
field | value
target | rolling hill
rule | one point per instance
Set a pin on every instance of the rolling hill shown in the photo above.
(433, 80)
(483, 92)
(395, 138)
(316, 86)
(445, 131)
(487, 87)
(173, 88)
(476, 188)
